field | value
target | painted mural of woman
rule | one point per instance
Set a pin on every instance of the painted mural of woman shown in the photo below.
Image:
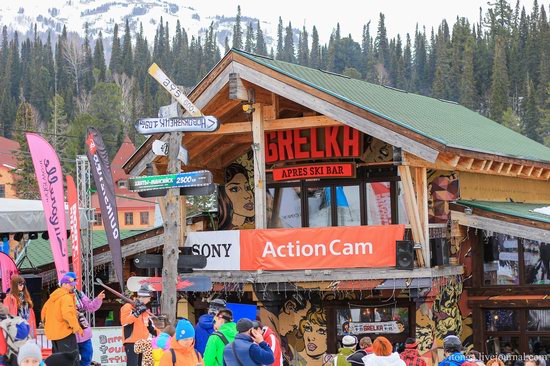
(236, 200)
(314, 331)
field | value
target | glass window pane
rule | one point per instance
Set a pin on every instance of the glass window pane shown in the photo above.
(319, 207)
(501, 260)
(500, 320)
(284, 207)
(538, 320)
(505, 347)
(348, 205)
(536, 258)
(379, 203)
(540, 346)
(390, 321)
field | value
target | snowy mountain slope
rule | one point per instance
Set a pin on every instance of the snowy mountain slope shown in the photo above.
(102, 15)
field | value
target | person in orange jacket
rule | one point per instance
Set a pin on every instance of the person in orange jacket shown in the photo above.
(19, 302)
(182, 347)
(136, 324)
(60, 318)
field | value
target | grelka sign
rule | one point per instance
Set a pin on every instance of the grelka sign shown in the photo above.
(314, 143)
(298, 249)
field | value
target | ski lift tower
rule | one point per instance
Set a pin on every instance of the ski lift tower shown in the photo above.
(87, 248)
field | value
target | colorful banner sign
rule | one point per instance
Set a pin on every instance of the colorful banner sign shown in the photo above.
(74, 225)
(148, 126)
(101, 171)
(198, 178)
(298, 249)
(314, 143)
(160, 76)
(392, 327)
(340, 170)
(8, 269)
(50, 184)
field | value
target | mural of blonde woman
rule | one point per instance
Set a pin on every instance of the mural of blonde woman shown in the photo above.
(236, 200)
(314, 331)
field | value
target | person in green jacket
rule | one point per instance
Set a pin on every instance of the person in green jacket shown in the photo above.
(225, 331)
(349, 343)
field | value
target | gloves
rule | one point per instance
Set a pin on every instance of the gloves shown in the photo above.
(139, 309)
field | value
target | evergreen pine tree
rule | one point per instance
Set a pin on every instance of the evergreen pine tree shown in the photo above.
(261, 47)
(498, 101)
(303, 48)
(288, 48)
(238, 31)
(467, 84)
(58, 125)
(530, 126)
(226, 44)
(100, 69)
(315, 54)
(249, 39)
(24, 178)
(381, 46)
(280, 40)
(88, 67)
(127, 60)
(115, 63)
(407, 63)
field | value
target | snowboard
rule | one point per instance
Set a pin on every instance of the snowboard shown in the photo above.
(185, 284)
(184, 261)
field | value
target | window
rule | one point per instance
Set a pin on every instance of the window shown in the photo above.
(129, 218)
(122, 184)
(144, 218)
(284, 207)
(2, 191)
(97, 219)
(508, 260)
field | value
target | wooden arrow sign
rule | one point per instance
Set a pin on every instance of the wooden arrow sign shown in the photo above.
(148, 126)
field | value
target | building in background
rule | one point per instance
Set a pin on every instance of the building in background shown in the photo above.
(8, 162)
(134, 212)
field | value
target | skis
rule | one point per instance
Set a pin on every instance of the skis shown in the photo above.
(185, 284)
(185, 262)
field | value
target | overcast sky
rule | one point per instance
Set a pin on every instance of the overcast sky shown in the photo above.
(401, 15)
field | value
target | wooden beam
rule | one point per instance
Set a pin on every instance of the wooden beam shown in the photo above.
(412, 210)
(488, 165)
(509, 168)
(452, 160)
(237, 90)
(233, 154)
(259, 167)
(538, 172)
(478, 164)
(273, 125)
(333, 111)
(421, 185)
(204, 146)
(547, 174)
(466, 162)
(499, 169)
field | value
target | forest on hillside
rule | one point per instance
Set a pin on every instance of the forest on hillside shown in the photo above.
(497, 65)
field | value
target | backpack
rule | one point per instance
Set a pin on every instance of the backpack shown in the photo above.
(174, 356)
(16, 331)
(222, 337)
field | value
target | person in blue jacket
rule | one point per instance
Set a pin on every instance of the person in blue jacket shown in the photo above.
(453, 355)
(249, 347)
(205, 325)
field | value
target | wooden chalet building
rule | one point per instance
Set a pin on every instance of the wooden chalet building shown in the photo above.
(463, 186)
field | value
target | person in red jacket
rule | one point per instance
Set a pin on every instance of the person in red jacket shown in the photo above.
(410, 355)
(136, 324)
(274, 343)
(19, 302)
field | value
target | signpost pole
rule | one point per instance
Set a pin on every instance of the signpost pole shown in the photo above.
(168, 299)
(259, 166)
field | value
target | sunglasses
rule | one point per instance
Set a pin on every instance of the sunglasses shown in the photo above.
(21, 284)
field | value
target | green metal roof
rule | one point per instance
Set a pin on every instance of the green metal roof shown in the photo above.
(446, 122)
(40, 253)
(522, 210)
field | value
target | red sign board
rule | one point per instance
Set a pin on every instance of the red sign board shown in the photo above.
(314, 143)
(336, 170)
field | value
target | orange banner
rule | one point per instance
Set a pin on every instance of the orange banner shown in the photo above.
(319, 248)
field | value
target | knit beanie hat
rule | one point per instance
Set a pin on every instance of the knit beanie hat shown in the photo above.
(349, 341)
(29, 350)
(67, 279)
(184, 330)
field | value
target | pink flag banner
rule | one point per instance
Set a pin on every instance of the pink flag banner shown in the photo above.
(50, 184)
(8, 269)
(74, 224)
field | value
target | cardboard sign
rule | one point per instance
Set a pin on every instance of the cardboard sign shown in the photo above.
(107, 345)
(298, 249)
(198, 178)
(340, 170)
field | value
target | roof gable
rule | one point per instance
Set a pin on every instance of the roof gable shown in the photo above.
(445, 122)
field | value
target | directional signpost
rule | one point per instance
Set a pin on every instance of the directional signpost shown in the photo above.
(161, 148)
(148, 126)
(199, 178)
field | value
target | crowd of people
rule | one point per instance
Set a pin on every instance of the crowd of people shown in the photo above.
(216, 340)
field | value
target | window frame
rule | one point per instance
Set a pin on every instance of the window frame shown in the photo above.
(2, 191)
(98, 219)
(141, 221)
(126, 215)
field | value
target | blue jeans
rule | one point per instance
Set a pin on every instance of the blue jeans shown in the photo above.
(86, 352)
